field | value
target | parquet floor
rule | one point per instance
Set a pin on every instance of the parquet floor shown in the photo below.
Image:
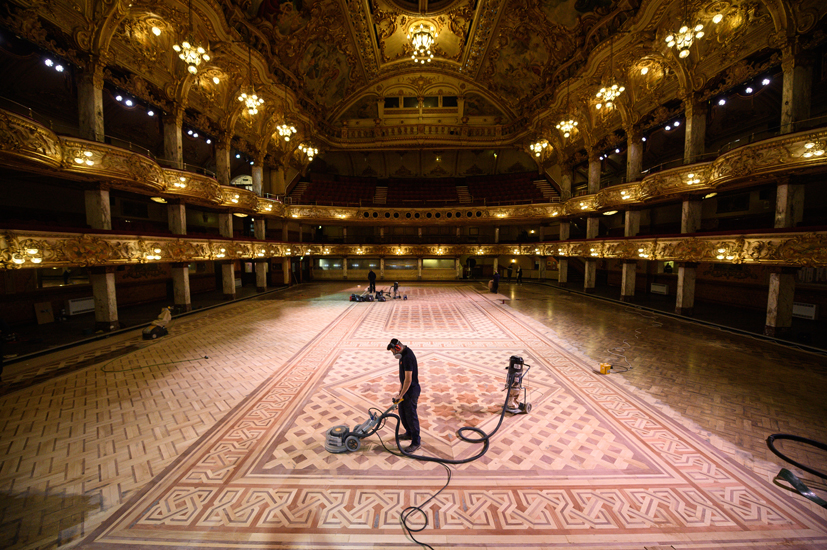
(143, 451)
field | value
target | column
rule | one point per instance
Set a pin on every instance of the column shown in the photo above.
(627, 282)
(106, 303)
(594, 171)
(566, 179)
(177, 217)
(459, 234)
(381, 234)
(301, 233)
(797, 88)
(458, 267)
(260, 229)
(780, 302)
(381, 268)
(344, 267)
(541, 233)
(225, 225)
(590, 275)
(98, 207)
(90, 102)
(496, 235)
(261, 275)
(173, 138)
(225, 228)
(789, 204)
(562, 271)
(419, 233)
(693, 146)
(285, 269)
(634, 154)
(285, 231)
(222, 159)
(344, 235)
(565, 230)
(690, 216)
(277, 184)
(631, 223)
(258, 176)
(592, 227)
(181, 287)
(419, 268)
(496, 263)
(686, 288)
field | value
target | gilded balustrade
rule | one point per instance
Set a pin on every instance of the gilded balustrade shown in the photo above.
(27, 249)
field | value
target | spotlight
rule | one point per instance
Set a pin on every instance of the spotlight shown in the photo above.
(643, 138)
(748, 90)
(59, 68)
(195, 134)
(156, 31)
(237, 156)
(252, 162)
(644, 70)
(765, 81)
(119, 98)
(150, 113)
(209, 141)
(189, 132)
(717, 18)
(128, 102)
(677, 123)
(668, 128)
(215, 80)
(617, 151)
(722, 101)
(49, 62)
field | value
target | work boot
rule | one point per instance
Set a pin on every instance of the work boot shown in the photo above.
(405, 437)
(411, 449)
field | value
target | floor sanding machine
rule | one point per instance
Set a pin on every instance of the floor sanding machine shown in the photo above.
(339, 439)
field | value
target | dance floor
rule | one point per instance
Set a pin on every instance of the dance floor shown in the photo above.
(596, 464)
(590, 466)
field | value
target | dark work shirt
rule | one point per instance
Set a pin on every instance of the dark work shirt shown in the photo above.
(371, 276)
(408, 363)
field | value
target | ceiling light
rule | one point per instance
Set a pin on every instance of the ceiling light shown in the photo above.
(161, 200)
(209, 141)
(710, 195)
(748, 90)
(156, 31)
(238, 156)
(676, 123)
(128, 102)
(644, 70)
(668, 128)
(187, 52)
(286, 131)
(119, 97)
(239, 214)
(248, 97)
(643, 138)
(609, 93)
(59, 68)
(215, 80)
(422, 36)
(195, 134)
(150, 113)
(617, 151)
(718, 17)
(610, 213)
(765, 81)
(722, 101)
(189, 132)
(49, 62)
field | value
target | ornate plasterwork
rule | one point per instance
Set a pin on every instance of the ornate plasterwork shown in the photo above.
(18, 248)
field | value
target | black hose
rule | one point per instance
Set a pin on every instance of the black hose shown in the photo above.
(484, 439)
(771, 444)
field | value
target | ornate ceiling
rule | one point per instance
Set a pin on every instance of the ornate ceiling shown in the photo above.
(504, 71)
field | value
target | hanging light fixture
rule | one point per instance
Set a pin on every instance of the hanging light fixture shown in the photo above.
(539, 147)
(189, 53)
(422, 36)
(309, 151)
(285, 131)
(686, 35)
(567, 126)
(609, 93)
(248, 97)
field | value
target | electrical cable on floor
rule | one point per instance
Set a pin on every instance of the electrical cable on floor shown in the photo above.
(142, 367)
(796, 484)
(484, 439)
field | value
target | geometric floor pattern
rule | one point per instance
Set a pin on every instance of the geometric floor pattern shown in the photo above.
(592, 464)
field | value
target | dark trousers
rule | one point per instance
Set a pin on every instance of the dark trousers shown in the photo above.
(410, 420)
(371, 286)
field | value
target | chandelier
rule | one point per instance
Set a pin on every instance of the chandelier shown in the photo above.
(190, 54)
(609, 93)
(286, 131)
(683, 39)
(249, 97)
(309, 151)
(422, 37)
(567, 126)
(539, 147)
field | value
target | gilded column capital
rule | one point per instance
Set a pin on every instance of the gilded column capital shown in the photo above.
(224, 139)
(634, 133)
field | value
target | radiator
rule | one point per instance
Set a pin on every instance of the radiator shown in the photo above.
(659, 288)
(805, 311)
(76, 306)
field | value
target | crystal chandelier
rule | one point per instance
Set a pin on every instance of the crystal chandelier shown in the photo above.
(309, 151)
(609, 93)
(286, 131)
(190, 54)
(683, 39)
(567, 126)
(539, 147)
(422, 37)
(249, 97)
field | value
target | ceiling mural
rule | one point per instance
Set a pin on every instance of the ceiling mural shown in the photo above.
(567, 13)
(364, 108)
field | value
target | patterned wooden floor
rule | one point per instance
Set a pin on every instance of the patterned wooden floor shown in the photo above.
(227, 451)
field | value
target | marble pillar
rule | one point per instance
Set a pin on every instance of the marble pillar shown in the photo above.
(631, 221)
(258, 178)
(634, 156)
(177, 217)
(106, 303)
(381, 268)
(419, 268)
(277, 183)
(261, 275)
(690, 216)
(496, 264)
(592, 227)
(780, 302)
(590, 275)
(562, 271)
(225, 225)
(566, 179)
(595, 166)
(174, 139)
(686, 288)
(496, 235)
(228, 279)
(90, 103)
(565, 230)
(344, 267)
(181, 287)
(222, 161)
(260, 229)
(694, 141)
(789, 205)
(627, 282)
(98, 207)
(796, 89)
(458, 267)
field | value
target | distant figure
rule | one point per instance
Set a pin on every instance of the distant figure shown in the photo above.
(496, 284)
(372, 281)
(667, 268)
(519, 275)
(510, 268)
(66, 275)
